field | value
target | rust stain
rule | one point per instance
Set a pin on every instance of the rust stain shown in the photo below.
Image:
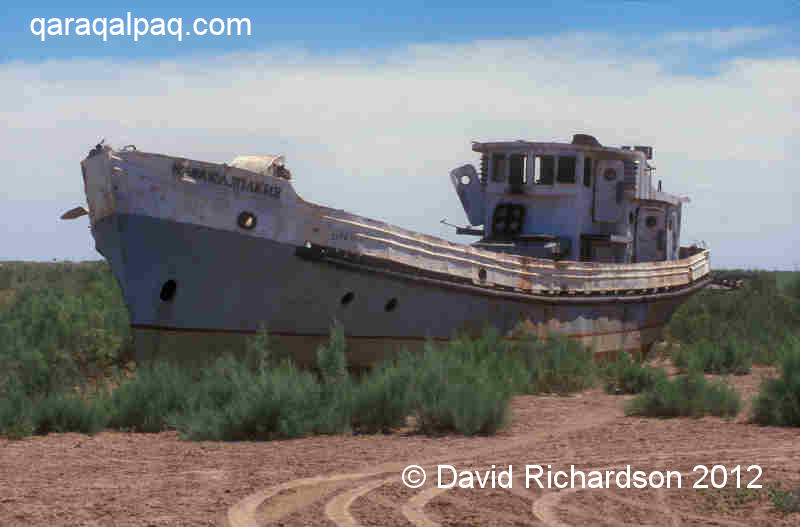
(525, 282)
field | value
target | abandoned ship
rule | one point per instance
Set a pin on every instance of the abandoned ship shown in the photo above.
(573, 238)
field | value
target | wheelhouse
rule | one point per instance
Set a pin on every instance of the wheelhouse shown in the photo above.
(574, 201)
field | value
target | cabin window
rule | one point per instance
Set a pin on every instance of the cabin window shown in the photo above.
(566, 169)
(651, 222)
(544, 170)
(508, 219)
(587, 171)
(498, 167)
(516, 170)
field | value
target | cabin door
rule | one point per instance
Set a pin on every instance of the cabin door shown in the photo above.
(668, 237)
(607, 191)
(651, 242)
(672, 235)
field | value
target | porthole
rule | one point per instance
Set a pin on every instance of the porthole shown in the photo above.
(347, 298)
(390, 305)
(610, 174)
(168, 290)
(465, 180)
(651, 222)
(247, 220)
(482, 274)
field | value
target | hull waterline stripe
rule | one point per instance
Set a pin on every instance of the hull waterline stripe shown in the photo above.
(156, 327)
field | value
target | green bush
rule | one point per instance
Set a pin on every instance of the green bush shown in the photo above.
(555, 365)
(59, 322)
(282, 402)
(336, 386)
(40, 371)
(146, 402)
(384, 398)
(728, 357)
(785, 501)
(16, 409)
(778, 401)
(461, 388)
(757, 318)
(235, 401)
(792, 285)
(688, 395)
(22, 414)
(626, 375)
(62, 412)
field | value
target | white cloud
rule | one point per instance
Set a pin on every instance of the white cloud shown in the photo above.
(721, 39)
(377, 133)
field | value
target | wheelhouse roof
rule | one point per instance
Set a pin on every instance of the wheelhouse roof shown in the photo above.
(515, 146)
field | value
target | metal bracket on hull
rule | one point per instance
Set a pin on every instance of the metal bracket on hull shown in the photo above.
(310, 252)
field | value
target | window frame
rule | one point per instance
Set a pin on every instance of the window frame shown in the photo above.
(541, 158)
(587, 171)
(495, 157)
(574, 178)
(524, 172)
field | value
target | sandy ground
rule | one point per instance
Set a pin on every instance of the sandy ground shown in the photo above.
(159, 480)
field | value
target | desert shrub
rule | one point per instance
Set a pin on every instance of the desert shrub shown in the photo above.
(728, 357)
(384, 397)
(785, 501)
(63, 321)
(146, 402)
(792, 285)
(281, 402)
(336, 386)
(39, 370)
(757, 318)
(15, 410)
(64, 412)
(235, 401)
(688, 395)
(627, 375)
(778, 401)
(465, 385)
(460, 389)
(555, 365)
(260, 353)
(331, 360)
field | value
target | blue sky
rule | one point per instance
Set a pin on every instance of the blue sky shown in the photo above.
(323, 28)
(360, 98)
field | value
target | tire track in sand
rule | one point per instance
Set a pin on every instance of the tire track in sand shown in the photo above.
(249, 511)
(265, 506)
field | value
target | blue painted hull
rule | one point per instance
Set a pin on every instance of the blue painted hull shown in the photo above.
(227, 284)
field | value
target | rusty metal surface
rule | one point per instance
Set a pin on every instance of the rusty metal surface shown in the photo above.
(213, 195)
(527, 274)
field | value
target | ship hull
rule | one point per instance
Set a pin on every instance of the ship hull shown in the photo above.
(227, 284)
